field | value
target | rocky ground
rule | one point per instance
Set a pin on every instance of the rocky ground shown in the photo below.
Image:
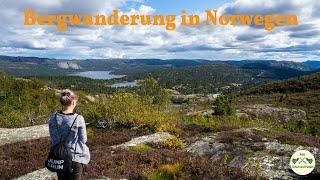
(12, 135)
(248, 150)
(252, 151)
(280, 114)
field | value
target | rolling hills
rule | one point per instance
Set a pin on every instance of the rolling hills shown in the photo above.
(187, 76)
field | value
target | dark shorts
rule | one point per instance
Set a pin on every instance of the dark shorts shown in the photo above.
(75, 175)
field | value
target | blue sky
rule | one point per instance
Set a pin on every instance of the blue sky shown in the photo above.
(214, 42)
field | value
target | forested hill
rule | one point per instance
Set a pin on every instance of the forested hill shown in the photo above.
(24, 101)
(293, 85)
(215, 76)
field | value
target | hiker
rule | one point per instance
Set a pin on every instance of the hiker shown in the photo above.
(69, 126)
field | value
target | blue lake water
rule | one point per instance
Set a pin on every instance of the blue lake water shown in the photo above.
(105, 75)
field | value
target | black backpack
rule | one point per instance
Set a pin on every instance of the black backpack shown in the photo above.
(60, 157)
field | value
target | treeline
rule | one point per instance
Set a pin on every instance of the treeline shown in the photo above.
(215, 76)
(24, 101)
(294, 85)
(208, 78)
(87, 85)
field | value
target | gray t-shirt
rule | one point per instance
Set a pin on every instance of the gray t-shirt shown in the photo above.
(77, 138)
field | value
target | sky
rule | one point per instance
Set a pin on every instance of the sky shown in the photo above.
(298, 43)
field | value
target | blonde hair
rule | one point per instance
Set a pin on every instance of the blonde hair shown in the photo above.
(67, 96)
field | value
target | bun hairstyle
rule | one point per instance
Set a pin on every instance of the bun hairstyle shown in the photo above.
(67, 96)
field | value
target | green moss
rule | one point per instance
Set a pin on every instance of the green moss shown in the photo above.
(247, 151)
(167, 172)
(141, 148)
(173, 143)
(119, 168)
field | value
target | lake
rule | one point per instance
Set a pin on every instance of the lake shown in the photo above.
(105, 75)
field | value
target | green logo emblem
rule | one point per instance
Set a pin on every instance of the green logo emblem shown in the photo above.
(302, 162)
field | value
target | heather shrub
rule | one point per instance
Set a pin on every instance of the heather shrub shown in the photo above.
(21, 158)
(141, 148)
(216, 123)
(12, 118)
(247, 151)
(313, 127)
(206, 122)
(159, 163)
(234, 137)
(90, 132)
(172, 143)
(167, 171)
(130, 109)
(234, 122)
(169, 127)
(298, 139)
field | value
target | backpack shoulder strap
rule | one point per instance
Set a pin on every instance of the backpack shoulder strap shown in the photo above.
(58, 129)
(72, 124)
(69, 128)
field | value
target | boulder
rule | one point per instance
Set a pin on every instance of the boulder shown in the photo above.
(147, 139)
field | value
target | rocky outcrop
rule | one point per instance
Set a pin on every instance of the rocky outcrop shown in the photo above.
(68, 65)
(13, 135)
(148, 139)
(242, 115)
(45, 174)
(207, 145)
(41, 174)
(255, 155)
(90, 98)
(273, 162)
(264, 165)
(280, 114)
(180, 98)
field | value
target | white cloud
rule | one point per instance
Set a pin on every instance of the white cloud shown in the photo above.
(212, 42)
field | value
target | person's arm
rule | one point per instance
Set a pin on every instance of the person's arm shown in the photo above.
(82, 130)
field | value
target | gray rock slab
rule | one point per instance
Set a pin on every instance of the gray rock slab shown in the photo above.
(8, 135)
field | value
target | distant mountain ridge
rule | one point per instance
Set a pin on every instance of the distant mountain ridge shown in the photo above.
(264, 64)
(313, 65)
(25, 66)
(261, 64)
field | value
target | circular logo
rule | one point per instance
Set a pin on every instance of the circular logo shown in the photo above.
(302, 162)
